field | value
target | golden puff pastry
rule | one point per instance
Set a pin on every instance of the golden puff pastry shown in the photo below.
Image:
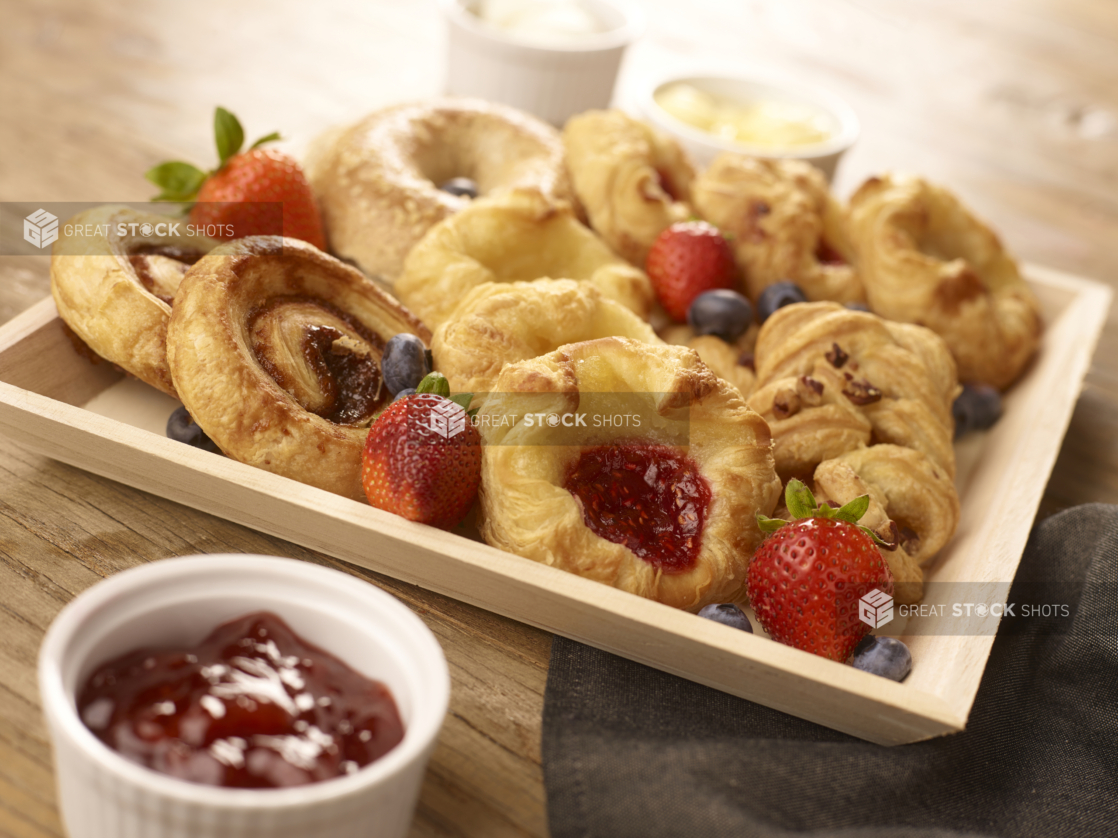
(859, 405)
(784, 225)
(502, 323)
(275, 350)
(911, 501)
(114, 288)
(830, 379)
(633, 181)
(378, 181)
(732, 362)
(518, 236)
(924, 258)
(664, 508)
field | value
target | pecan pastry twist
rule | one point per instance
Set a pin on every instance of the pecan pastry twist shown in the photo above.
(275, 350)
(861, 405)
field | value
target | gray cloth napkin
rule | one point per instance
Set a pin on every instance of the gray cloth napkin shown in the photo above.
(631, 751)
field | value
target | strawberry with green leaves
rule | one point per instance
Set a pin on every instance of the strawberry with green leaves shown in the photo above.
(258, 192)
(807, 576)
(422, 457)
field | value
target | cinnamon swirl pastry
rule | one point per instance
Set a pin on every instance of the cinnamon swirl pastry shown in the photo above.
(115, 287)
(377, 182)
(518, 236)
(643, 507)
(275, 350)
(926, 259)
(784, 225)
(633, 181)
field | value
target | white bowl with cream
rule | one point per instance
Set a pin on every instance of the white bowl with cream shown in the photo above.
(753, 115)
(180, 601)
(551, 58)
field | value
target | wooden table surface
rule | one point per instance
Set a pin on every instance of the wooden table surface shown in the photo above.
(1011, 104)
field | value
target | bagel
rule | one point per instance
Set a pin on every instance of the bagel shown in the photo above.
(115, 287)
(632, 181)
(784, 224)
(275, 350)
(377, 181)
(552, 494)
(924, 258)
(499, 323)
(517, 236)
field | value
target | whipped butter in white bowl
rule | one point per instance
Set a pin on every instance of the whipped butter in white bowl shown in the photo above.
(552, 58)
(753, 115)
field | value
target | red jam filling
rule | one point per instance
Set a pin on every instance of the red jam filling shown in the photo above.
(649, 498)
(252, 706)
(827, 255)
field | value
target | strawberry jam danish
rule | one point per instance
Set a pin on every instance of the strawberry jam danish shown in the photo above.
(114, 288)
(654, 491)
(275, 349)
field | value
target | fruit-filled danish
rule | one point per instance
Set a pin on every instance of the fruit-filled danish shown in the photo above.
(663, 505)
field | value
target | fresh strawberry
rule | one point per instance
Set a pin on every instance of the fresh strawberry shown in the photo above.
(807, 576)
(422, 458)
(258, 192)
(687, 259)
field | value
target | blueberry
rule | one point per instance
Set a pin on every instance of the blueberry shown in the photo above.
(463, 187)
(404, 363)
(181, 427)
(884, 656)
(978, 407)
(778, 295)
(728, 614)
(723, 313)
(403, 394)
(858, 306)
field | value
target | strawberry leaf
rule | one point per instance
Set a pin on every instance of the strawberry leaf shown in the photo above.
(228, 133)
(462, 400)
(877, 539)
(853, 511)
(434, 382)
(768, 524)
(799, 499)
(267, 138)
(179, 181)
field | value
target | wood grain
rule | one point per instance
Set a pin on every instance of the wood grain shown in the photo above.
(1009, 102)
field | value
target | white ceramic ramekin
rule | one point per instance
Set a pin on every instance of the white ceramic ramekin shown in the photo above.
(551, 81)
(704, 147)
(176, 601)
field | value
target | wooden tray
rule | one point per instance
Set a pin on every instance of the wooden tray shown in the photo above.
(45, 384)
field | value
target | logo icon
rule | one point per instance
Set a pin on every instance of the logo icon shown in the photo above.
(40, 229)
(875, 609)
(448, 419)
